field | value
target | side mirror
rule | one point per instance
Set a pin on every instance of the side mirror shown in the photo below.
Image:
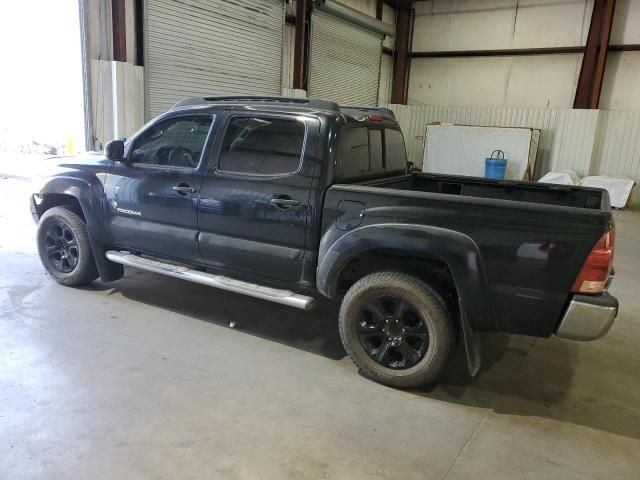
(114, 150)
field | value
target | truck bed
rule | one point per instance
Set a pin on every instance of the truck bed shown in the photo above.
(532, 238)
(529, 192)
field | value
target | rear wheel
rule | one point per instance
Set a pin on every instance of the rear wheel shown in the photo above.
(64, 249)
(396, 329)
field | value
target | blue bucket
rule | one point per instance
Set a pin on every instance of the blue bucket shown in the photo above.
(495, 167)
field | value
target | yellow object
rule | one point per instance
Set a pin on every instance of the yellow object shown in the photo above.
(70, 146)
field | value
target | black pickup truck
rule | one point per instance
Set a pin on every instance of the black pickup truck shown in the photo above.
(287, 199)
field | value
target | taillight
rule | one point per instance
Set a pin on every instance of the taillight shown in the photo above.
(595, 271)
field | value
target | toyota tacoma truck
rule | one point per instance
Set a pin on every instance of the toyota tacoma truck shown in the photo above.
(292, 199)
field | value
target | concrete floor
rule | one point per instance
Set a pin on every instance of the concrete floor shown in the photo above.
(144, 379)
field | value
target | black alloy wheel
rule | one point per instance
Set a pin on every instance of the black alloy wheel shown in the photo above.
(61, 247)
(392, 332)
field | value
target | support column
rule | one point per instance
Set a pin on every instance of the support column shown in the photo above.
(299, 54)
(401, 58)
(595, 55)
(119, 30)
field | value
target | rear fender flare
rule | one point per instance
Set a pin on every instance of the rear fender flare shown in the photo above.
(458, 251)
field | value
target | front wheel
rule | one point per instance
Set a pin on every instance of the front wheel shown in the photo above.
(64, 249)
(396, 329)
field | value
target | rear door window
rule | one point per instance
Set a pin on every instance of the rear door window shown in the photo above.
(262, 146)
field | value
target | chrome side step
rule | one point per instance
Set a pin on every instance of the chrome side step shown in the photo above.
(276, 295)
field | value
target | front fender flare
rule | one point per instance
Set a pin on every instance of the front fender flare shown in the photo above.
(90, 194)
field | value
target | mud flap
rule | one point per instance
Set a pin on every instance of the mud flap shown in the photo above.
(471, 344)
(109, 271)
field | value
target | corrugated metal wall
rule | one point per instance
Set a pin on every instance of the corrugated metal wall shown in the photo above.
(564, 140)
(231, 47)
(617, 147)
(344, 60)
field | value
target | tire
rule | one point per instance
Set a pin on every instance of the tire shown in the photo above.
(421, 354)
(64, 248)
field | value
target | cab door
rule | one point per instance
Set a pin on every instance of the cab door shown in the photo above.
(152, 197)
(255, 203)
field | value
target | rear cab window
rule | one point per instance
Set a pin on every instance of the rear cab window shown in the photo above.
(369, 150)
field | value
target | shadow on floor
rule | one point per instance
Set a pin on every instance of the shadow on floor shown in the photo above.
(507, 384)
(314, 331)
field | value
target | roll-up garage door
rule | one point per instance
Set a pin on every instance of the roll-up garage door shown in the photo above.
(205, 47)
(344, 63)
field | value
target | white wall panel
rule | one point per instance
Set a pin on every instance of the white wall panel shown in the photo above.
(544, 23)
(543, 80)
(482, 24)
(498, 24)
(546, 81)
(367, 7)
(477, 81)
(621, 85)
(626, 23)
(532, 81)
(617, 147)
(432, 33)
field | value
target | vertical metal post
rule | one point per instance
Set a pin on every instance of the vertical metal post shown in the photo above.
(595, 55)
(139, 32)
(119, 30)
(401, 58)
(299, 57)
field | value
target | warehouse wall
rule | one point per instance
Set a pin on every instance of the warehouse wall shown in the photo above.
(367, 7)
(566, 140)
(115, 93)
(534, 81)
(621, 86)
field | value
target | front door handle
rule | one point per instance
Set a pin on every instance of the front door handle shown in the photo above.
(284, 202)
(183, 188)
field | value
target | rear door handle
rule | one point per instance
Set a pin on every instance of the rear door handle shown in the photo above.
(284, 202)
(184, 188)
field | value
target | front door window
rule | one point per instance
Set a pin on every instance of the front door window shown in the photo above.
(176, 142)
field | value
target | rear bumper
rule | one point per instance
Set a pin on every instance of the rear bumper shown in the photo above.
(588, 317)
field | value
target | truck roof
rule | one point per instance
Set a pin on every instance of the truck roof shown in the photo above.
(349, 112)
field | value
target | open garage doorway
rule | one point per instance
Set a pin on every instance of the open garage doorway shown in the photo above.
(41, 89)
